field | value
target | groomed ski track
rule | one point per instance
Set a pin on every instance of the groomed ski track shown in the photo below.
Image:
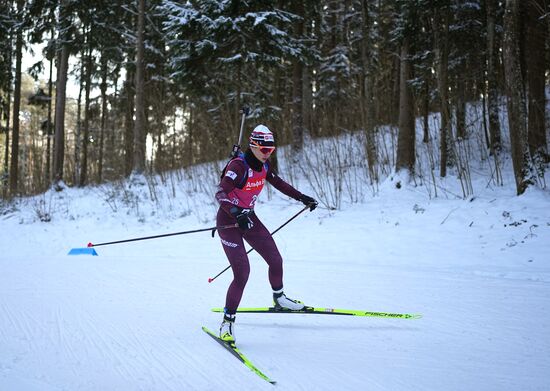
(131, 318)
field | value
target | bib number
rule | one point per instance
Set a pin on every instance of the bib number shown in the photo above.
(254, 198)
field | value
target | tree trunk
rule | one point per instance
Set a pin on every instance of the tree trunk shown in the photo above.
(129, 121)
(49, 127)
(333, 107)
(536, 68)
(367, 93)
(78, 138)
(460, 109)
(297, 107)
(308, 100)
(310, 14)
(442, 50)
(60, 100)
(113, 160)
(60, 94)
(426, 111)
(517, 113)
(278, 97)
(104, 69)
(86, 136)
(190, 135)
(160, 165)
(14, 164)
(492, 91)
(161, 126)
(405, 159)
(139, 125)
(396, 90)
(297, 89)
(5, 175)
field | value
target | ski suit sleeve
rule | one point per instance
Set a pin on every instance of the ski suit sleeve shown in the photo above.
(234, 174)
(281, 185)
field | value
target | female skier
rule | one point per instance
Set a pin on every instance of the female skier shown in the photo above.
(241, 184)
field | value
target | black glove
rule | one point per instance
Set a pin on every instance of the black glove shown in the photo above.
(243, 217)
(309, 201)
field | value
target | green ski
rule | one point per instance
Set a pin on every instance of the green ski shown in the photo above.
(324, 311)
(232, 348)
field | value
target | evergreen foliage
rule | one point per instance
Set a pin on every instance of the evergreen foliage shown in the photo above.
(313, 69)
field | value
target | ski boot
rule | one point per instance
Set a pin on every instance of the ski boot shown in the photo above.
(284, 303)
(227, 328)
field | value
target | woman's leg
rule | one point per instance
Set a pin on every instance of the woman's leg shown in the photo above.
(232, 243)
(262, 241)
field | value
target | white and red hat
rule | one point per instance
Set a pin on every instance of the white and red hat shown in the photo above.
(262, 136)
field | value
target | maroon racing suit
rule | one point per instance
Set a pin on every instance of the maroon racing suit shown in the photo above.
(242, 181)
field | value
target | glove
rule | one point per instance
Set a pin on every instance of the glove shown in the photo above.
(308, 201)
(243, 217)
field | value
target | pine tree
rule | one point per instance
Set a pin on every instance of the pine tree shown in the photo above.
(517, 104)
(492, 86)
(442, 21)
(14, 162)
(139, 125)
(368, 66)
(223, 54)
(406, 158)
(65, 35)
(7, 21)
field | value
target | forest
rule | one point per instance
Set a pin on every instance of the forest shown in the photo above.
(161, 84)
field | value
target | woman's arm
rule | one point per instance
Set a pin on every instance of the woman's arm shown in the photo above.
(234, 173)
(281, 185)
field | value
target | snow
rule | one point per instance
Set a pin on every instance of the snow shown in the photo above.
(130, 319)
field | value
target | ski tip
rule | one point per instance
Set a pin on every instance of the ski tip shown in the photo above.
(407, 316)
(411, 316)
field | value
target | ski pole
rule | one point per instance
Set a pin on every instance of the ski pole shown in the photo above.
(163, 235)
(245, 110)
(272, 233)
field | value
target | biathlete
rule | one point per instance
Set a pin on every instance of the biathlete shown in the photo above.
(242, 181)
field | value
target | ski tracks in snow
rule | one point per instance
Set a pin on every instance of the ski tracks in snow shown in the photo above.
(107, 331)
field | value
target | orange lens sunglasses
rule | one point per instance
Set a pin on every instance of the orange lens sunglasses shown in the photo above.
(264, 150)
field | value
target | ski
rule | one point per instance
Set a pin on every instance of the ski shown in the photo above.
(232, 348)
(324, 311)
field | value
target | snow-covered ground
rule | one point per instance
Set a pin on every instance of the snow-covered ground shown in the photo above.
(478, 271)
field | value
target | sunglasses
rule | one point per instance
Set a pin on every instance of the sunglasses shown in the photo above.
(264, 150)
